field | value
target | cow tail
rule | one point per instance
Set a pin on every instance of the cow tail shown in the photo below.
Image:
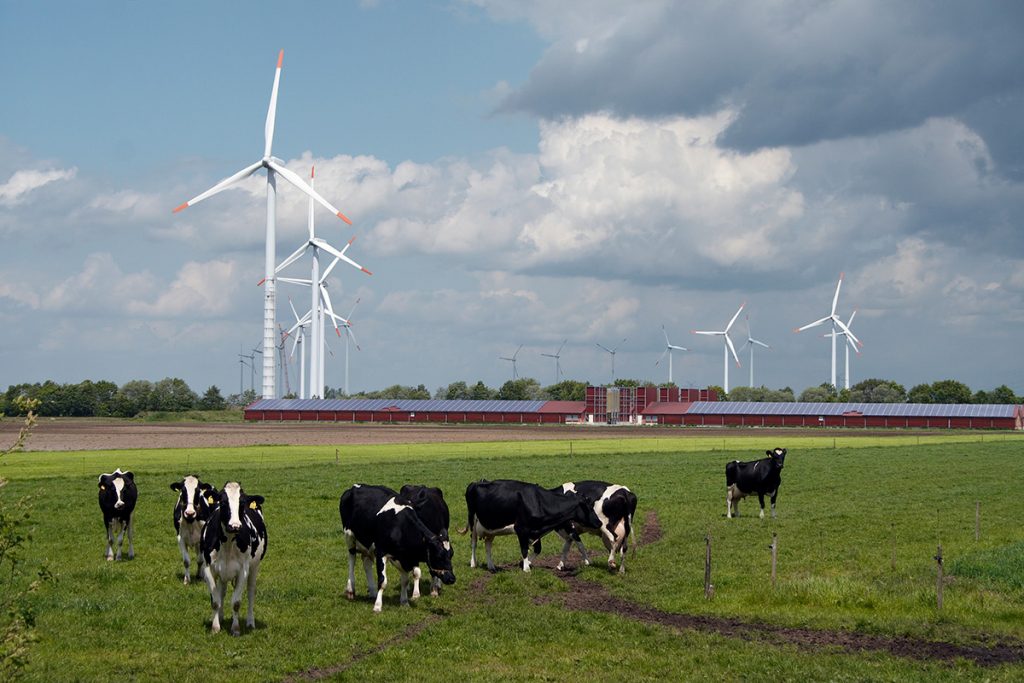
(469, 524)
(632, 534)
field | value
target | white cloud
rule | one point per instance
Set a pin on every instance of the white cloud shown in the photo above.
(21, 183)
(201, 290)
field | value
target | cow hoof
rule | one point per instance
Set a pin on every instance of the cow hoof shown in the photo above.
(434, 593)
(215, 628)
(236, 630)
(350, 595)
(185, 582)
(376, 610)
(586, 563)
(110, 558)
(560, 566)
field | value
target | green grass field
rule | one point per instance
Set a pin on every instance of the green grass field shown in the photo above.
(847, 507)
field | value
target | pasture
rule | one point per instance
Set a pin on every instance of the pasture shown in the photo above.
(858, 526)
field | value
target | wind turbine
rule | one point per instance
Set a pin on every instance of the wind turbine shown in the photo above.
(849, 343)
(669, 346)
(349, 334)
(612, 353)
(751, 342)
(274, 168)
(319, 297)
(836, 322)
(727, 346)
(557, 355)
(515, 373)
(300, 343)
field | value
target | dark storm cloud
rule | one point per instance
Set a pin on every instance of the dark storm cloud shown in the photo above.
(799, 72)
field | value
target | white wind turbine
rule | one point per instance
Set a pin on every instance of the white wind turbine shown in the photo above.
(751, 342)
(847, 345)
(299, 342)
(515, 373)
(727, 346)
(836, 322)
(557, 355)
(669, 346)
(274, 168)
(349, 334)
(318, 295)
(612, 353)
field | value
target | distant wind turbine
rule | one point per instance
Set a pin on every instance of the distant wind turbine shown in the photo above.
(612, 353)
(836, 322)
(751, 342)
(557, 356)
(515, 372)
(847, 345)
(727, 346)
(669, 346)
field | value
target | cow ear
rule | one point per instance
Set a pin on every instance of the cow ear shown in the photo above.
(770, 454)
(176, 486)
(128, 475)
(255, 502)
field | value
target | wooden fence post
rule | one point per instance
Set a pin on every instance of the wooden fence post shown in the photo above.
(775, 552)
(938, 582)
(709, 590)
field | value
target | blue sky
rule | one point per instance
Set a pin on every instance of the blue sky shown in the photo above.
(518, 173)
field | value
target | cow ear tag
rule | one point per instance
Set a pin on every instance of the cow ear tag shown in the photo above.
(103, 487)
(252, 505)
(209, 499)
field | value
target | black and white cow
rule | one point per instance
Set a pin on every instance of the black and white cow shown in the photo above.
(430, 506)
(233, 543)
(614, 506)
(762, 477)
(382, 525)
(504, 506)
(193, 507)
(117, 497)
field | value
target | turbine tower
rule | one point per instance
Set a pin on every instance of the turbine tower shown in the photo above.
(515, 373)
(349, 334)
(726, 346)
(318, 294)
(274, 168)
(299, 342)
(751, 342)
(557, 355)
(612, 352)
(836, 322)
(669, 346)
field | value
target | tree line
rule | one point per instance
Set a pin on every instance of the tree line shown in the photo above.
(171, 394)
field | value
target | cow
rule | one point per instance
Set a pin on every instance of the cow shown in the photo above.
(432, 510)
(380, 524)
(504, 506)
(117, 497)
(191, 510)
(233, 543)
(762, 477)
(614, 506)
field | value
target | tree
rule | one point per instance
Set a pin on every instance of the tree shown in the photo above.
(622, 382)
(522, 389)
(212, 400)
(173, 395)
(722, 396)
(454, 392)
(943, 391)
(762, 394)
(482, 392)
(878, 391)
(567, 390)
(1001, 395)
(823, 393)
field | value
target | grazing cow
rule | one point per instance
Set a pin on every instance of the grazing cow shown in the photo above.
(502, 507)
(762, 477)
(432, 510)
(380, 524)
(193, 507)
(614, 506)
(233, 543)
(117, 497)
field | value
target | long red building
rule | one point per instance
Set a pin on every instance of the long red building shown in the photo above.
(643, 406)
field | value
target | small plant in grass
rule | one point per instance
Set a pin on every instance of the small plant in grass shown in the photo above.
(18, 619)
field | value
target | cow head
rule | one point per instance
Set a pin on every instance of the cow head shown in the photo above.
(231, 503)
(778, 457)
(439, 559)
(111, 494)
(195, 498)
(584, 514)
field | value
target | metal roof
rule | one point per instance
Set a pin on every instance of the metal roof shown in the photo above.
(865, 409)
(404, 405)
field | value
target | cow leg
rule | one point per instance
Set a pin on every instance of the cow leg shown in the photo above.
(416, 574)
(250, 616)
(382, 583)
(131, 536)
(524, 551)
(110, 540)
(488, 540)
(218, 590)
(184, 557)
(565, 549)
(241, 580)
(350, 585)
(730, 504)
(120, 539)
(403, 583)
(472, 547)
(371, 576)
(775, 493)
(435, 586)
(583, 550)
(760, 499)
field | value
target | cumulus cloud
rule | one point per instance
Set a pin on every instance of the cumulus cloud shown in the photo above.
(200, 290)
(23, 182)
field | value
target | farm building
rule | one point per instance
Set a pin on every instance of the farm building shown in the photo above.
(642, 405)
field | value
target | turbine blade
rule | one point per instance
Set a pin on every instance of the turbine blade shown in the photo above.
(294, 281)
(221, 186)
(846, 330)
(296, 255)
(268, 130)
(605, 348)
(678, 348)
(353, 309)
(294, 312)
(350, 333)
(707, 332)
(667, 342)
(559, 351)
(814, 324)
(835, 299)
(298, 182)
(733, 349)
(661, 357)
(330, 309)
(760, 343)
(339, 254)
(852, 316)
(729, 326)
